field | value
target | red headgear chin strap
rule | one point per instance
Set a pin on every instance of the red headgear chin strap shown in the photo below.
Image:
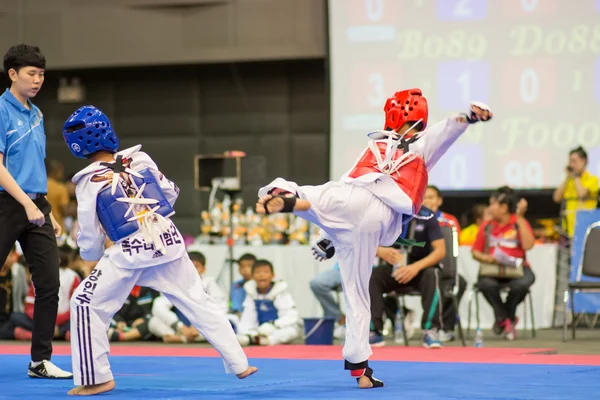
(405, 106)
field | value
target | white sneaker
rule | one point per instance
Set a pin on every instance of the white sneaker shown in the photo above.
(445, 336)
(47, 370)
(409, 324)
(388, 328)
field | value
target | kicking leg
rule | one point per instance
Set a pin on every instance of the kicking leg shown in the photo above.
(323, 205)
(93, 304)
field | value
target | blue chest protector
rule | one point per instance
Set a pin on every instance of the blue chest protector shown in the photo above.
(266, 311)
(117, 215)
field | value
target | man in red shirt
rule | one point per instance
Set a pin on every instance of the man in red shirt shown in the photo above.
(511, 233)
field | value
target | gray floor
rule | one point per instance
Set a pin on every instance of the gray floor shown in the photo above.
(587, 341)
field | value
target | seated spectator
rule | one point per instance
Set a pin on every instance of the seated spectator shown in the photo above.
(507, 234)
(209, 283)
(579, 190)
(433, 200)
(169, 324)
(131, 322)
(422, 273)
(166, 324)
(479, 213)
(13, 287)
(238, 294)
(69, 280)
(329, 281)
(20, 281)
(270, 316)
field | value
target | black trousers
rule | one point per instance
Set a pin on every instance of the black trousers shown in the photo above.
(490, 288)
(450, 312)
(426, 282)
(41, 252)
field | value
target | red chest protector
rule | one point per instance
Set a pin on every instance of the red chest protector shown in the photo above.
(411, 177)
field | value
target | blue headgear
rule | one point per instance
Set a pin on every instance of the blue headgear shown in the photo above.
(89, 130)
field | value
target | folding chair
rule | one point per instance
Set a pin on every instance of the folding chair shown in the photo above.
(589, 266)
(449, 272)
(503, 288)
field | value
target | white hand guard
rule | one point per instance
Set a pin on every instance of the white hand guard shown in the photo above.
(472, 117)
(323, 249)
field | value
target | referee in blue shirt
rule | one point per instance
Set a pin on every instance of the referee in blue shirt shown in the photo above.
(25, 214)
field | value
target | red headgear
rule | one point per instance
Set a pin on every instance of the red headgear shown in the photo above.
(405, 106)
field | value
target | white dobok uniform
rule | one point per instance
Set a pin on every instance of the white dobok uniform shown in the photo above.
(273, 314)
(154, 257)
(364, 210)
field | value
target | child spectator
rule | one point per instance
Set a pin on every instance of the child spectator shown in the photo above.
(238, 294)
(270, 316)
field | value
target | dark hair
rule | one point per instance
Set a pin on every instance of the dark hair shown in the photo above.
(197, 256)
(477, 211)
(247, 257)
(262, 263)
(65, 255)
(580, 152)
(23, 55)
(506, 195)
(436, 190)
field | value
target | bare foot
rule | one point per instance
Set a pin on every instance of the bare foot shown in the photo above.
(89, 390)
(247, 373)
(364, 382)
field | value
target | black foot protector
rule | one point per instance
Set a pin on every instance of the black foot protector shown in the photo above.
(362, 369)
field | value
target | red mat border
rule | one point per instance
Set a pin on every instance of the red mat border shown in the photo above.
(544, 356)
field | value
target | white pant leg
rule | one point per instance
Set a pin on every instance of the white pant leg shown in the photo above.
(327, 202)
(356, 265)
(180, 283)
(375, 223)
(357, 222)
(284, 335)
(95, 301)
(158, 328)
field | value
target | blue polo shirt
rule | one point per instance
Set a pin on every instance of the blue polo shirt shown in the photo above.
(23, 143)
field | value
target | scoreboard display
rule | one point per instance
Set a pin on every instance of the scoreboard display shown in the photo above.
(535, 62)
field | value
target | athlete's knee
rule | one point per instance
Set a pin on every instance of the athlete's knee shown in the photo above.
(318, 286)
(143, 328)
(81, 297)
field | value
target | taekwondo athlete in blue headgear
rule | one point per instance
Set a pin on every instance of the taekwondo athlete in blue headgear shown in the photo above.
(124, 196)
